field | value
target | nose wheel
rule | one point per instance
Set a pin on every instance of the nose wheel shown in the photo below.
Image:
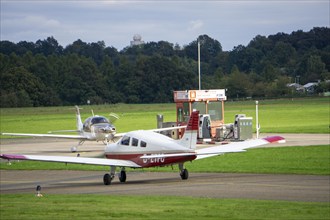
(73, 149)
(183, 172)
(107, 179)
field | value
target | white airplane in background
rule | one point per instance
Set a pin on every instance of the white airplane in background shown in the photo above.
(95, 128)
(142, 149)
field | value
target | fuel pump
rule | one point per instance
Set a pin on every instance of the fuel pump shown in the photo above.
(204, 128)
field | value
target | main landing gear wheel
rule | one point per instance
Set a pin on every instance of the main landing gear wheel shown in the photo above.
(184, 174)
(122, 176)
(107, 178)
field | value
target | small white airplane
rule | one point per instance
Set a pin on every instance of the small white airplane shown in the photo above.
(95, 128)
(142, 149)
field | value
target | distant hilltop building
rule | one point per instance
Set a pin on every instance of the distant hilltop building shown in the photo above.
(137, 40)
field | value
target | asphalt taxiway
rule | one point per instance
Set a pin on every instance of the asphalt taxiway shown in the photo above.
(309, 188)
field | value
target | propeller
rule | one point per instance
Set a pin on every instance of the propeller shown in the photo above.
(113, 117)
(109, 138)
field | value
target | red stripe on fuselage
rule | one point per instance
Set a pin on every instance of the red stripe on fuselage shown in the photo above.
(151, 162)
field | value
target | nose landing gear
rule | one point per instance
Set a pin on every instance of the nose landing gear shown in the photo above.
(183, 172)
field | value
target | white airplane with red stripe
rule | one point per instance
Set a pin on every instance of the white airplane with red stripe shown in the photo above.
(142, 149)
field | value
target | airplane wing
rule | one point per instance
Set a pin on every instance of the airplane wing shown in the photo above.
(201, 153)
(167, 129)
(79, 137)
(47, 135)
(59, 131)
(234, 147)
(79, 160)
(155, 130)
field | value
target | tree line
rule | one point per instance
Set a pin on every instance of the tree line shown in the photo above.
(46, 74)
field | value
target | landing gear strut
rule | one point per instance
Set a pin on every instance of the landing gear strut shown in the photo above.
(183, 172)
(75, 148)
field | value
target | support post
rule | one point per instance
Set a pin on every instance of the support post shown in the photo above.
(199, 66)
(257, 120)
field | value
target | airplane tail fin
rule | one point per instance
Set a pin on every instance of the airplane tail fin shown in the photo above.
(189, 138)
(78, 120)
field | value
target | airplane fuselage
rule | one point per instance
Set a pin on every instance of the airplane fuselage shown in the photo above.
(134, 145)
(98, 128)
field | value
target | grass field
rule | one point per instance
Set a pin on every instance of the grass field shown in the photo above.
(153, 207)
(275, 116)
(310, 115)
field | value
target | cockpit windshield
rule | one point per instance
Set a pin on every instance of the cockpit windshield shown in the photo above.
(92, 121)
(98, 120)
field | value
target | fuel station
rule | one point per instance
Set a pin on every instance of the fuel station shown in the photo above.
(209, 103)
(212, 127)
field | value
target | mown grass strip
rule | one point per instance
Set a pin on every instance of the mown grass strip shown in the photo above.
(28, 206)
(307, 115)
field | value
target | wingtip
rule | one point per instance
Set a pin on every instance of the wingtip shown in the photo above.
(12, 157)
(275, 139)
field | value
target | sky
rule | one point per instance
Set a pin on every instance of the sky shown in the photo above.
(115, 22)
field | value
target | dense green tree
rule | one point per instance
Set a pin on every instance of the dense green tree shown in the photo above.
(315, 67)
(238, 84)
(127, 83)
(209, 48)
(162, 48)
(48, 46)
(24, 88)
(283, 53)
(45, 73)
(8, 47)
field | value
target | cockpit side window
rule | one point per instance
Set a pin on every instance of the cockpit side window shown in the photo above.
(135, 142)
(125, 140)
(86, 125)
(143, 144)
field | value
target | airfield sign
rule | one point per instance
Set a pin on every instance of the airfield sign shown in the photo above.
(200, 95)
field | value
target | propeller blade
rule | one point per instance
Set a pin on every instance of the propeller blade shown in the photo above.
(114, 117)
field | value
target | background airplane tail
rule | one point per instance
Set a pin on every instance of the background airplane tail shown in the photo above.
(78, 120)
(189, 138)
